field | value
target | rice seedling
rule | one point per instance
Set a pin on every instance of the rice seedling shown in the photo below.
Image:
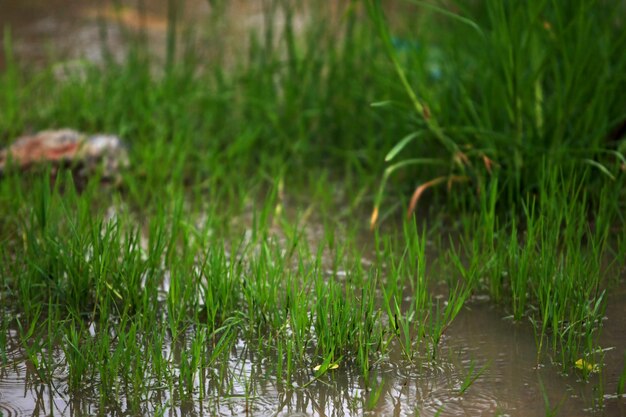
(200, 267)
(375, 396)
(622, 380)
(549, 409)
(471, 375)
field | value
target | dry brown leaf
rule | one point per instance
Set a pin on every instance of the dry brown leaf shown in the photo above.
(426, 112)
(461, 159)
(420, 190)
(374, 218)
(488, 163)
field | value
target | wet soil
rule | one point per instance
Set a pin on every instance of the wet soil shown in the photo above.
(512, 384)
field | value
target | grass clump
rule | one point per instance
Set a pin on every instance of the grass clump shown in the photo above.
(513, 117)
(512, 92)
(203, 248)
(164, 310)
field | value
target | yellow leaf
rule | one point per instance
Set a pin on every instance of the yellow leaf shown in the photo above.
(331, 366)
(588, 366)
(115, 292)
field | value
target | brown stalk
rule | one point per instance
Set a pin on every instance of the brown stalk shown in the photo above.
(420, 190)
(374, 218)
(488, 163)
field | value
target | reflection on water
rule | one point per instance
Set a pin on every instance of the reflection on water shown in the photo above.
(511, 385)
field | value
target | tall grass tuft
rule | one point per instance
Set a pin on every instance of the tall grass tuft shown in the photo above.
(512, 90)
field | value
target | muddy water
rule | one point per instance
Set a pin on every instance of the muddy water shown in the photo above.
(512, 382)
(511, 385)
(481, 341)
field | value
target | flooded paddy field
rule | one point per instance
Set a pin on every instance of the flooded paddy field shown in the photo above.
(503, 356)
(325, 209)
(485, 363)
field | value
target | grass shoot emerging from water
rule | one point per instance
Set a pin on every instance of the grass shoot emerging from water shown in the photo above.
(205, 262)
